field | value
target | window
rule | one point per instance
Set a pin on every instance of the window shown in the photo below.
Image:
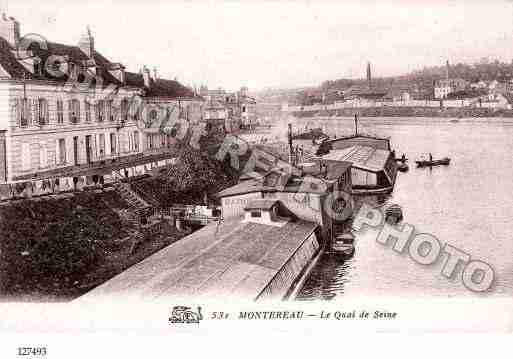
(136, 140)
(102, 145)
(100, 110)
(112, 143)
(124, 110)
(60, 111)
(256, 214)
(72, 70)
(42, 110)
(37, 67)
(87, 111)
(110, 110)
(74, 111)
(22, 112)
(153, 115)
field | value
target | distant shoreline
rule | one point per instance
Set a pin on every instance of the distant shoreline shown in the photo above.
(453, 113)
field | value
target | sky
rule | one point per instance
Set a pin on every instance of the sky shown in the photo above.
(280, 44)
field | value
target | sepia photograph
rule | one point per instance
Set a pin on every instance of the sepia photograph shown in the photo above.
(220, 163)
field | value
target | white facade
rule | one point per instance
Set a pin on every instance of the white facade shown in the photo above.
(81, 114)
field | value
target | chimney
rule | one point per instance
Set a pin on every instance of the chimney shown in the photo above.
(10, 29)
(447, 70)
(146, 77)
(86, 43)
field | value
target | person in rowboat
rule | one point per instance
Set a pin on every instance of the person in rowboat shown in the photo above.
(430, 157)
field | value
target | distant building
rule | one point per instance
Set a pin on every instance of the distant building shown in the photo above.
(367, 91)
(447, 86)
(398, 94)
(236, 109)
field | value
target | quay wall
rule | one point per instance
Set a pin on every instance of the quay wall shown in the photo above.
(405, 112)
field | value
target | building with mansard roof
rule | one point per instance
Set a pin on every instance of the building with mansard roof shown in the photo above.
(66, 111)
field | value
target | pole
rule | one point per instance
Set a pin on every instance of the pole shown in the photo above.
(290, 144)
(356, 124)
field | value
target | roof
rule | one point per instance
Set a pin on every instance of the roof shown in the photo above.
(233, 258)
(360, 135)
(334, 169)
(168, 88)
(263, 204)
(294, 184)
(16, 70)
(250, 175)
(158, 88)
(133, 79)
(451, 82)
(362, 157)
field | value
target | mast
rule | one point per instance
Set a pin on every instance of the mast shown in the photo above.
(291, 158)
(356, 124)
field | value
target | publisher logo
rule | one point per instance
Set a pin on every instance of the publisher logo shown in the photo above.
(184, 315)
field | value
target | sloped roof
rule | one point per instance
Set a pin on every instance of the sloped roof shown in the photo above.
(16, 70)
(159, 87)
(362, 157)
(230, 258)
(133, 79)
(263, 204)
(294, 184)
(168, 88)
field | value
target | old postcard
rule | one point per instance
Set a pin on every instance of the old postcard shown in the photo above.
(194, 166)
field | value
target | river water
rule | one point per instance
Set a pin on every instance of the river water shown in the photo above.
(468, 205)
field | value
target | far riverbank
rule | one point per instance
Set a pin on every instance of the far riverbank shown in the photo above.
(386, 111)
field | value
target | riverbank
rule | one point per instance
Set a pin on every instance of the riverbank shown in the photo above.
(407, 112)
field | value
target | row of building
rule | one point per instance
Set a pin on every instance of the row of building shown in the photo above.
(67, 110)
(455, 92)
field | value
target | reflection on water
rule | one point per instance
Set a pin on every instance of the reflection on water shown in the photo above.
(467, 204)
(338, 272)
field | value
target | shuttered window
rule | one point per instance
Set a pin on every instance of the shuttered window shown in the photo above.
(74, 111)
(100, 111)
(87, 105)
(60, 111)
(42, 112)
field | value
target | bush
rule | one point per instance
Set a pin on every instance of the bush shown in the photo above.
(48, 244)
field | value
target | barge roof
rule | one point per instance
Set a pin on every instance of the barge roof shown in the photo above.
(362, 157)
(233, 258)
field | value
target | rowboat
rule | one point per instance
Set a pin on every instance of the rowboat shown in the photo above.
(444, 161)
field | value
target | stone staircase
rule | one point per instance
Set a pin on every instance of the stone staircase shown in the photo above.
(134, 201)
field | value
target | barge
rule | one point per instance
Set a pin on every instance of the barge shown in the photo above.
(374, 167)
